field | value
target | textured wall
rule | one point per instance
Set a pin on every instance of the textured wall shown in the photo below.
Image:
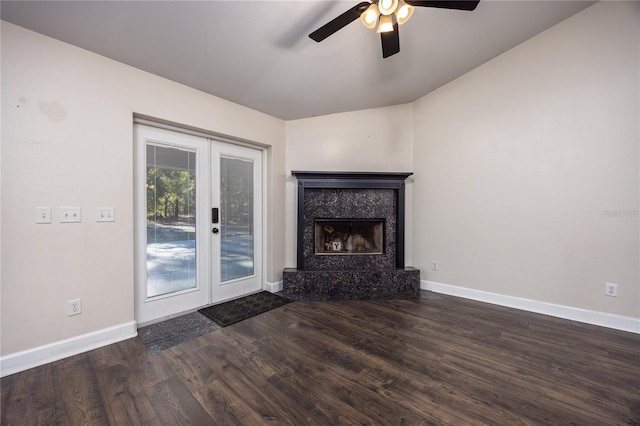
(67, 140)
(520, 164)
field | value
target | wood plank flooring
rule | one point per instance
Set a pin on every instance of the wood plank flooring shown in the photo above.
(412, 362)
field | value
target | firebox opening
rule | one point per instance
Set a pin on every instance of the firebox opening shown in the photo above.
(349, 236)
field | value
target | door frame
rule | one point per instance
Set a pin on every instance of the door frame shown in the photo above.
(140, 266)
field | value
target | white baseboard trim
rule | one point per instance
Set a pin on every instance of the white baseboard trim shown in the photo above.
(30, 358)
(273, 287)
(602, 319)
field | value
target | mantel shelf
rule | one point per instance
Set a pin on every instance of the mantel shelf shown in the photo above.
(360, 180)
(305, 175)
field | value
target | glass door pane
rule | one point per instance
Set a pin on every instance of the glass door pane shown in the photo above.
(171, 220)
(237, 221)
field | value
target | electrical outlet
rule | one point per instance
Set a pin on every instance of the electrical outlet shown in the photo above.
(74, 307)
(434, 265)
(611, 289)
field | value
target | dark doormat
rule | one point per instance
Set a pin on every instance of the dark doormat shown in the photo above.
(233, 311)
(169, 333)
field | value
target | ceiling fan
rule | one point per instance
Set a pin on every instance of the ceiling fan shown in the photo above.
(388, 14)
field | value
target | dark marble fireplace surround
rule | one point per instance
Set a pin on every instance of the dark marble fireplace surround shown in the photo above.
(351, 196)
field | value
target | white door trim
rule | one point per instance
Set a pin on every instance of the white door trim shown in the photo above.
(149, 309)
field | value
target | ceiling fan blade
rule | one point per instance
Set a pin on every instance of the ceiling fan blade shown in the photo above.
(446, 4)
(340, 22)
(390, 42)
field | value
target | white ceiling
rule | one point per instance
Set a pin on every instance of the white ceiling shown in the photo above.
(258, 53)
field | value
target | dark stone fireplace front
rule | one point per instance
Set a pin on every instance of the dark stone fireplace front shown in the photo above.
(350, 241)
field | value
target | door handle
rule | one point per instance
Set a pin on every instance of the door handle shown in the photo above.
(214, 215)
(215, 230)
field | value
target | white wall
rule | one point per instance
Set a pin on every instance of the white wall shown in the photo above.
(527, 168)
(370, 140)
(67, 140)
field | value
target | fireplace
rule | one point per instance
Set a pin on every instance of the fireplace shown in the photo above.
(350, 245)
(348, 237)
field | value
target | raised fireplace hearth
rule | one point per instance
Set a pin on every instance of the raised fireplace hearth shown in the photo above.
(350, 238)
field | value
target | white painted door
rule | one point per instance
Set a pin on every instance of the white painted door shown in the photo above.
(237, 201)
(180, 181)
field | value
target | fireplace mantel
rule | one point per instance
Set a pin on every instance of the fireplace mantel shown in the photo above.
(341, 178)
(353, 180)
(341, 219)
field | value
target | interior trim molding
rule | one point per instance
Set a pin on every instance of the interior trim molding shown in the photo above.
(188, 130)
(273, 287)
(35, 357)
(602, 319)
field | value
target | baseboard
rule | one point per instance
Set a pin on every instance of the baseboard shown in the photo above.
(273, 287)
(20, 361)
(602, 319)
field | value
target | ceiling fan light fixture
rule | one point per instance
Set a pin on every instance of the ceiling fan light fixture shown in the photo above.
(403, 12)
(369, 17)
(386, 24)
(387, 7)
(390, 14)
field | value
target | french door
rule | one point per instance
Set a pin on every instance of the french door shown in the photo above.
(198, 222)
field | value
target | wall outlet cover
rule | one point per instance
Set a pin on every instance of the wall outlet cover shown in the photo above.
(74, 307)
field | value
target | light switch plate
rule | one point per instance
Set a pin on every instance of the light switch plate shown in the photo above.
(70, 214)
(105, 214)
(43, 214)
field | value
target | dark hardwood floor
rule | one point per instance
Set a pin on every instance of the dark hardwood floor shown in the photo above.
(427, 361)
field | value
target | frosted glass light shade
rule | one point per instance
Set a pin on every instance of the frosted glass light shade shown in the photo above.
(403, 12)
(387, 7)
(386, 24)
(369, 17)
